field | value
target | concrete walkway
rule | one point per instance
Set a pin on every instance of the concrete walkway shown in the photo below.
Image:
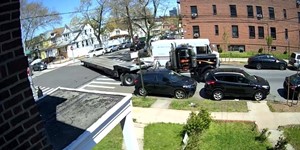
(258, 112)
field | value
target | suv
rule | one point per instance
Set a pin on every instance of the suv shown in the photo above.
(235, 82)
(295, 59)
(165, 82)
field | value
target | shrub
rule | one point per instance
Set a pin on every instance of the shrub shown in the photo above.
(285, 52)
(260, 50)
(220, 50)
(263, 135)
(196, 123)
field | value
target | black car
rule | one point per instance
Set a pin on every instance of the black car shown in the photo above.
(39, 66)
(260, 61)
(235, 82)
(291, 86)
(165, 82)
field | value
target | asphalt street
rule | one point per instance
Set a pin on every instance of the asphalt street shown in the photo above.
(77, 76)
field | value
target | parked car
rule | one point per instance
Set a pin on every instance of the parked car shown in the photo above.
(294, 60)
(96, 52)
(125, 45)
(165, 82)
(39, 66)
(114, 48)
(291, 86)
(235, 82)
(260, 61)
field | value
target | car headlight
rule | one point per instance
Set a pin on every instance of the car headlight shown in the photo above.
(187, 86)
(265, 86)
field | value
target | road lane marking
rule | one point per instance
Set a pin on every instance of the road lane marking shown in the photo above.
(98, 86)
(112, 83)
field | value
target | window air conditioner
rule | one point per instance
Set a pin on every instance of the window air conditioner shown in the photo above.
(194, 15)
(259, 16)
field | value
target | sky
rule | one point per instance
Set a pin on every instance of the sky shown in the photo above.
(64, 6)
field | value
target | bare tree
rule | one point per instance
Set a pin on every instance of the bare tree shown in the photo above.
(95, 17)
(35, 16)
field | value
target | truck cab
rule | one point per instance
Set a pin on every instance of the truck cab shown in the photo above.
(182, 58)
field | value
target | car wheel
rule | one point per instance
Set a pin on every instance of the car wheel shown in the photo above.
(179, 94)
(142, 91)
(282, 67)
(218, 95)
(258, 66)
(128, 79)
(259, 95)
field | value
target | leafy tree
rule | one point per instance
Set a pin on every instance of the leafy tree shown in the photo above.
(269, 41)
(35, 16)
(95, 17)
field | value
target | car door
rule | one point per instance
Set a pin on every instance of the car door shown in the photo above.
(245, 87)
(149, 82)
(271, 62)
(163, 84)
(230, 85)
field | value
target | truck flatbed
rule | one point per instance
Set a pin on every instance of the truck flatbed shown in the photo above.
(125, 70)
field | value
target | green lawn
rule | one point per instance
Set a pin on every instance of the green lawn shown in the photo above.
(220, 136)
(292, 133)
(139, 101)
(162, 136)
(249, 54)
(210, 105)
(231, 136)
(113, 140)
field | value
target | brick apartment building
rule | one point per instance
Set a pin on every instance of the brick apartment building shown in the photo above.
(21, 126)
(243, 25)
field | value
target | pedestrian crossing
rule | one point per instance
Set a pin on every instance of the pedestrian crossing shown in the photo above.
(40, 91)
(102, 82)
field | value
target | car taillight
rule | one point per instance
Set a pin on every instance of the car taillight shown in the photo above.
(210, 82)
(293, 87)
(136, 81)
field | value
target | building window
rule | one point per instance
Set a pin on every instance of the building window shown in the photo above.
(216, 30)
(235, 31)
(284, 14)
(271, 13)
(233, 12)
(196, 32)
(194, 10)
(82, 43)
(85, 32)
(273, 48)
(286, 33)
(250, 11)
(86, 43)
(214, 7)
(273, 32)
(251, 32)
(92, 40)
(240, 48)
(298, 17)
(261, 33)
(259, 12)
(77, 44)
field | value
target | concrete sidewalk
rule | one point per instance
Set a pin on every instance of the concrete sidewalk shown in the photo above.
(258, 112)
(62, 63)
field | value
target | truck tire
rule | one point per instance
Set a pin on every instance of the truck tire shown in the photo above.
(128, 79)
(204, 75)
(168, 65)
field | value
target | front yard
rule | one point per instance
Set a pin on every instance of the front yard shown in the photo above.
(283, 106)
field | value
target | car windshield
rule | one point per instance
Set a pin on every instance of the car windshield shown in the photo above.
(248, 76)
(91, 51)
(295, 79)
